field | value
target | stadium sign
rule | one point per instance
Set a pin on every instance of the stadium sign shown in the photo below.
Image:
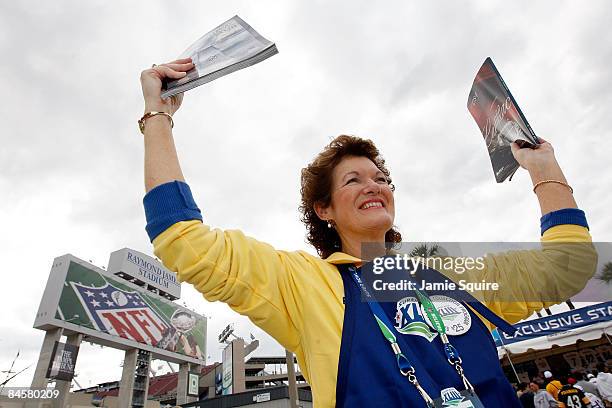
(228, 369)
(82, 298)
(63, 360)
(144, 271)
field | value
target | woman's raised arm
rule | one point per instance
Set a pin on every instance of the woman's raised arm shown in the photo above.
(161, 160)
(250, 276)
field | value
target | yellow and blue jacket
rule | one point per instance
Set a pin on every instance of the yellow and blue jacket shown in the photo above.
(297, 298)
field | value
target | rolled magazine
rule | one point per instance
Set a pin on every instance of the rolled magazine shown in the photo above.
(500, 120)
(232, 46)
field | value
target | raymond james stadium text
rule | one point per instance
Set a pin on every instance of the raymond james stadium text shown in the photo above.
(152, 272)
(412, 264)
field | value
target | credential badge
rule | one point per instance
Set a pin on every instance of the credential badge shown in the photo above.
(453, 398)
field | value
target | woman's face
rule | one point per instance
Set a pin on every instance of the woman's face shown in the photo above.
(362, 201)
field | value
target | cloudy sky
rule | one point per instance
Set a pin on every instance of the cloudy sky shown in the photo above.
(397, 72)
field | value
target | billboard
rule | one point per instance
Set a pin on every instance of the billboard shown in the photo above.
(61, 366)
(83, 298)
(228, 370)
(145, 271)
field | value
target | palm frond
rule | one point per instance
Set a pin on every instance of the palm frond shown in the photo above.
(425, 250)
(605, 275)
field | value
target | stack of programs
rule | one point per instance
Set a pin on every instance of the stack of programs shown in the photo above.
(231, 46)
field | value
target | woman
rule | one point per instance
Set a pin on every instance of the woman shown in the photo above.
(312, 305)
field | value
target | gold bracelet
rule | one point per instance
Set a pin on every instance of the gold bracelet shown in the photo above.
(539, 183)
(141, 122)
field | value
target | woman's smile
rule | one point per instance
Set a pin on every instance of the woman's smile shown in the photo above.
(373, 204)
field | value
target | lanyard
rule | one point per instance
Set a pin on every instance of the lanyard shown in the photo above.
(404, 365)
(452, 355)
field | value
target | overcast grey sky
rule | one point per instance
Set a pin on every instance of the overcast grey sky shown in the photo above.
(397, 72)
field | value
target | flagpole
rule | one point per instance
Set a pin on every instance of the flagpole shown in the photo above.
(509, 359)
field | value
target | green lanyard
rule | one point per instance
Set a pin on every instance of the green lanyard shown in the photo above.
(452, 355)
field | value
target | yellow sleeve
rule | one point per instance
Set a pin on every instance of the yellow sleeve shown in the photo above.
(252, 277)
(534, 279)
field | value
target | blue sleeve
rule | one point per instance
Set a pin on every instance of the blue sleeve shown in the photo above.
(167, 204)
(564, 216)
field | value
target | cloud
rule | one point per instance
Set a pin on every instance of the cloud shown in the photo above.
(399, 73)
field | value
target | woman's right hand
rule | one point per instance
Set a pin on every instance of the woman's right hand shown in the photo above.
(151, 83)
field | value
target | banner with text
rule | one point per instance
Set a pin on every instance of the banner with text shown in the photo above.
(557, 323)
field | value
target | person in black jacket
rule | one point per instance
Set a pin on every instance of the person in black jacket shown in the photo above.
(526, 396)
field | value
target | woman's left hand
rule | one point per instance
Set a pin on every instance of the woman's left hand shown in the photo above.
(542, 165)
(539, 160)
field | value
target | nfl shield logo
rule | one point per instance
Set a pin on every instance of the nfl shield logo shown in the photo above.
(121, 313)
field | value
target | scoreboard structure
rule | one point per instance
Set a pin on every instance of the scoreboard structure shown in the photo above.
(128, 307)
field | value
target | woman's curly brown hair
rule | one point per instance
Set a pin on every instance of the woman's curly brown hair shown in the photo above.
(317, 187)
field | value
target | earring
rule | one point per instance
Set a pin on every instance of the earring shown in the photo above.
(330, 224)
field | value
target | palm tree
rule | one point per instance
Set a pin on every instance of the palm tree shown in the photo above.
(425, 250)
(606, 274)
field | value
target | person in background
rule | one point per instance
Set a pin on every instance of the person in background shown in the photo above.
(553, 386)
(526, 396)
(596, 402)
(604, 384)
(541, 398)
(572, 397)
(586, 386)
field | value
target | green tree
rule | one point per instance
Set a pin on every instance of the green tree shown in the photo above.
(605, 275)
(425, 250)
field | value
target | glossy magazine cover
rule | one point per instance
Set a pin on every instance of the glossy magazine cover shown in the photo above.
(499, 119)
